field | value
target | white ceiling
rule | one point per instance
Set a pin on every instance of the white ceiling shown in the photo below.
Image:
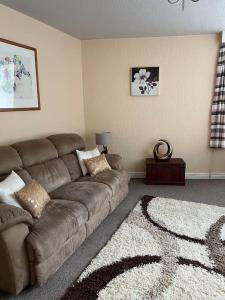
(91, 19)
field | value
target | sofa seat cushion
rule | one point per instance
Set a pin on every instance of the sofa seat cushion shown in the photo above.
(112, 178)
(59, 221)
(90, 194)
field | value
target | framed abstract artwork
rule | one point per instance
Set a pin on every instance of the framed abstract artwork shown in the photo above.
(19, 88)
(145, 81)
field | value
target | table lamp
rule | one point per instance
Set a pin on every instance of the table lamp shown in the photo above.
(104, 139)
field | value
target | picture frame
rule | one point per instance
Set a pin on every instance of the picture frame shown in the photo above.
(19, 85)
(145, 81)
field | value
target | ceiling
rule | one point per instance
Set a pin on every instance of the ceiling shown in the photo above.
(93, 19)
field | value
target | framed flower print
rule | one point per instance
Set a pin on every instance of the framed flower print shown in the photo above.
(145, 81)
(19, 89)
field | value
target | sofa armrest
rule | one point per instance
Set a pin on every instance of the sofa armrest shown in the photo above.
(14, 271)
(12, 215)
(115, 161)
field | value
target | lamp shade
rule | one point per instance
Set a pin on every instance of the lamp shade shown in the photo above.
(104, 138)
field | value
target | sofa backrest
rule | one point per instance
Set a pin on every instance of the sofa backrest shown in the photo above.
(66, 144)
(51, 161)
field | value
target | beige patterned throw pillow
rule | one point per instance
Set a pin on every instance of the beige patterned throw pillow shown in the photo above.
(97, 164)
(33, 197)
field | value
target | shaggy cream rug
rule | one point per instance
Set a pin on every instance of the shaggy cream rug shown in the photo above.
(165, 249)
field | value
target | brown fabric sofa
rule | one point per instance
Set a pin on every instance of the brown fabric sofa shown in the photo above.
(31, 250)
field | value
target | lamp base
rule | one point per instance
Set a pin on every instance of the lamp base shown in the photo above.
(105, 150)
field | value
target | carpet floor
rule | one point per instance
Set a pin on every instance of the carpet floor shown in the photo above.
(165, 249)
(204, 191)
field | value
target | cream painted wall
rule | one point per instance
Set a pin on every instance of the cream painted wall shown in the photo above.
(181, 112)
(60, 80)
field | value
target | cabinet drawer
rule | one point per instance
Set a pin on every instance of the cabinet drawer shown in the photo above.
(165, 174)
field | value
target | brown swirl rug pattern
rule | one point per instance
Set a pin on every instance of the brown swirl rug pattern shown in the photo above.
(165, 249)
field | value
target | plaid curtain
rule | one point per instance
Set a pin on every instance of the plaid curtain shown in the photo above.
(217, 138)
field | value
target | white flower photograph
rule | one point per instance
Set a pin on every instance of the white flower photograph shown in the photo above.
(145, 81)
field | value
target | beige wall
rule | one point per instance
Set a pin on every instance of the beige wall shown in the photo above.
(60, 79)
(181, 112)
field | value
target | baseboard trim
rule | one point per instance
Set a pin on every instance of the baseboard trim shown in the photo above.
(136, 174)
(187, 175)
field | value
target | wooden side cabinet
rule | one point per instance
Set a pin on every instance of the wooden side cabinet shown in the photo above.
(170, 172)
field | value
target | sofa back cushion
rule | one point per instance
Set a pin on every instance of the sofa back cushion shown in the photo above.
(9, 161)
(24, 175)
(50, 174)
(67, 143)
(34, 152)
(51, 161)
(73, 166)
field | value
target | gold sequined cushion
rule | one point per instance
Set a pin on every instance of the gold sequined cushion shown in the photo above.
(33, 197)
(97, 164)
